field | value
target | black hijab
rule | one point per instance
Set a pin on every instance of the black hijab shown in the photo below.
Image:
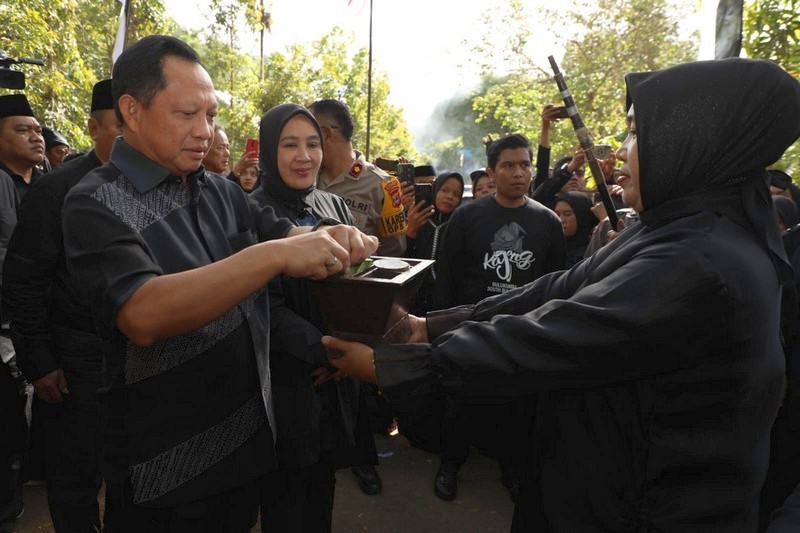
(272, 124)
(706, 132)
(441, 218)
(582, 207)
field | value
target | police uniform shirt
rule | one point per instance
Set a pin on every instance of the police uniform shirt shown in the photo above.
(374, 200)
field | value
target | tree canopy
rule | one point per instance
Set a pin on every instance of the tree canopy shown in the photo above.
(76, 39)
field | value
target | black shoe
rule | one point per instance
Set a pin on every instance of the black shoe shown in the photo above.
(446, 483)
(368, 479)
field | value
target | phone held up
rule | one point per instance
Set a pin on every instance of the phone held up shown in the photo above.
(423, 191)
(251, 147)
(562, 112)
(405, 174)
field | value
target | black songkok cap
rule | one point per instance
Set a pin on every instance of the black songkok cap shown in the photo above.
(779, 179)
(15, 105)
(101, 96)
(53, 138)
(475, 175)
(424, 170)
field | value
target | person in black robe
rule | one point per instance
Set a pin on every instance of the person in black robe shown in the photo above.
(657, 389)
(321, 420)
(575, 211)
(426, 230)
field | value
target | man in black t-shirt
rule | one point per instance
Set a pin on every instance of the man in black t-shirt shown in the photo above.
(491, 246)
(499, 242)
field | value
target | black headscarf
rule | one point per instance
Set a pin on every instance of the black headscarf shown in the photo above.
(582, 207)
(577, 243)
(272, 124)
(441, 218)
(706, 132)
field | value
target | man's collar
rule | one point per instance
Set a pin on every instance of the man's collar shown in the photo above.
(34, 174)
(140, 170)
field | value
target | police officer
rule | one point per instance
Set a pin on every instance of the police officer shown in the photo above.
(374, 197)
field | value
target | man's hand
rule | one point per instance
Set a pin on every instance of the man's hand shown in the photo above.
(352, 358)
(359, 245)
(578, 160)
(418, 215)
(313, 254)
(407, 193)
(51, 387)
(549, 115)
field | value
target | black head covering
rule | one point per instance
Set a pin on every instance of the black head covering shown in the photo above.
(475, 175)
(272, 124)
(437, 184)
(706, 131)
(15, 105)
(53, 138)
(102, 98)
(582, 207)
(424, 170)
(787, 211)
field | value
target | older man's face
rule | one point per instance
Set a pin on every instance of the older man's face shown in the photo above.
(177, 128)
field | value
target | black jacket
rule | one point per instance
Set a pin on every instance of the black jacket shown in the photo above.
(657, 386)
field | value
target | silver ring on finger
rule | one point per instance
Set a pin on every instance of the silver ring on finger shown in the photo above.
(332, 262)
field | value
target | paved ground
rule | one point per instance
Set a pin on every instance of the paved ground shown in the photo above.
(406, 505)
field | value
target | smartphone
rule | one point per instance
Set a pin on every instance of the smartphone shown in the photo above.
(405, 173)
(423, 191)
(562, 112)
(251, 147)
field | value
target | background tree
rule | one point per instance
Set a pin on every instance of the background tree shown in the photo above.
(75, 40)
(596, 58)
(772, 31)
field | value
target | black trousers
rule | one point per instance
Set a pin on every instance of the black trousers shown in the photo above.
(233, 511)
(13, 430)
(298, 500)
(500, 429)
(73, 436)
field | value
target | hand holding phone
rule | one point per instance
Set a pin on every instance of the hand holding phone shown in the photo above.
(405, 173)
(251, 147)
(423, 191)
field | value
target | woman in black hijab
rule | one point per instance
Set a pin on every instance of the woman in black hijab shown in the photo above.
(321, 422)
(575, 211)
(656, 388)
(426, 225)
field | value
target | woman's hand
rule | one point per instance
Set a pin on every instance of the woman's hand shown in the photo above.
(352, 358)
(418, 215)
(246, 161)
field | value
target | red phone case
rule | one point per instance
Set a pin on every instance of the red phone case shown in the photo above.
(251, 147)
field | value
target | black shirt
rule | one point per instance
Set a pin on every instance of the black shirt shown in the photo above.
(489, 249)
(188, 416)
(38, 291)
(19, 182)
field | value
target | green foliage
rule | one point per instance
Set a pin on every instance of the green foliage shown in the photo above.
(772, 31)
(595, 61)
(75, 41)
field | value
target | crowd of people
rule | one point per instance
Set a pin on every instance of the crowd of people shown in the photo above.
(156, 298)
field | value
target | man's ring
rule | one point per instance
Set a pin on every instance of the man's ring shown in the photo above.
(333, 262)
